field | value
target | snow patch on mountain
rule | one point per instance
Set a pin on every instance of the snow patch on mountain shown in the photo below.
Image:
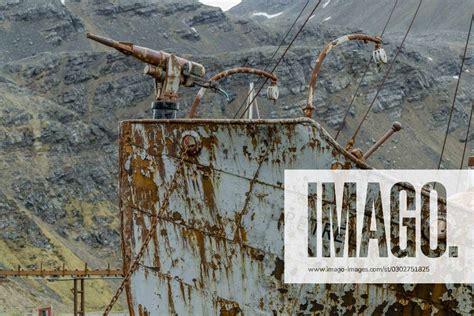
(268, 16)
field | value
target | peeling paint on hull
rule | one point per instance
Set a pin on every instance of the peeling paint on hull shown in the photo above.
(218, 249)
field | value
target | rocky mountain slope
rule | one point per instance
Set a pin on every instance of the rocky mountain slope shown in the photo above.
(437, 17)
(34, 26)
(61, 98)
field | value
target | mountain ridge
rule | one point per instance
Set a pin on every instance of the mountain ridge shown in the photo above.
(371, 15)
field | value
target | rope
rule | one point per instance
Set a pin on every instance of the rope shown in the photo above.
(455, 96)
(363, 75)
(352, 140)
(278, 62)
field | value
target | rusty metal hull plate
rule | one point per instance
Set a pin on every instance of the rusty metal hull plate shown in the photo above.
(218, 249)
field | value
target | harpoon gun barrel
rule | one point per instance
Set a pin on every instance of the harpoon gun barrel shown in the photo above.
(144, 54)
(150, 56)
(104, 41)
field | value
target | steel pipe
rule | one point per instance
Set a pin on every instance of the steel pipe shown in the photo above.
(227, 73)
(395, 128)
(308, 110)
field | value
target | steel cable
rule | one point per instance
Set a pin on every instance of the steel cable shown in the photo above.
(467, 135)
(455, 95)
(273, 55)
(275, 52)
(352, 139)
(153, 226)
(363, 75)
(286, 35)
(278, 62)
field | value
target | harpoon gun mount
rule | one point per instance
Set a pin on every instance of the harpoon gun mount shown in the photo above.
(169, 71)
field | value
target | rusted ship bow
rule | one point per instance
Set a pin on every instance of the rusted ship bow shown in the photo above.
(215, 190)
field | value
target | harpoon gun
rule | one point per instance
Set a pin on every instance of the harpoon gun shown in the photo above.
(169, 71)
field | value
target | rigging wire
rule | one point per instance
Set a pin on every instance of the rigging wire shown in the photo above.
(467, 135)
(286, 35)
(352, 139)
(455, 96)
(279, 60)
(276, 51)
(363, 75)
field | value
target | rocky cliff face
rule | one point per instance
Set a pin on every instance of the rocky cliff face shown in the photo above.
(438, 18)
(30, 27)
(61, 98)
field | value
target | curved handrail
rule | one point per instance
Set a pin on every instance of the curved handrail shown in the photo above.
(308, 110)
(227, 73)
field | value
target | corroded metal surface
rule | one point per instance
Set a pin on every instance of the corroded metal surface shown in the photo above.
(218, 249)
(308, 110)
(396, 127)
(147, 55)
(227, 73)
(168, 70)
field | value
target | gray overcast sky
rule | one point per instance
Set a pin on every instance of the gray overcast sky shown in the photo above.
(224, 4)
